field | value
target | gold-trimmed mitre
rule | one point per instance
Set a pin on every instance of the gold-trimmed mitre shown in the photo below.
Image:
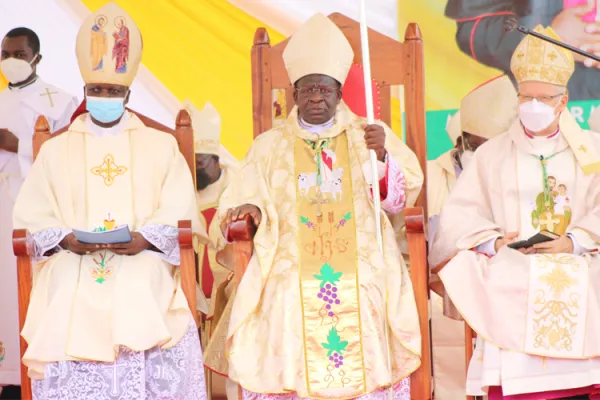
(109, 47)
(318, 47)
(541, 61)
(489, 109)
(207, 128)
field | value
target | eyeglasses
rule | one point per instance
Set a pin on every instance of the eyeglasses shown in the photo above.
(541, 99)
(323, 91)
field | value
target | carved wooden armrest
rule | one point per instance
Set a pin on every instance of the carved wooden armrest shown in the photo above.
(242, 231)
(22, 243)
(187, 264)
(414, 218)
(241, 234)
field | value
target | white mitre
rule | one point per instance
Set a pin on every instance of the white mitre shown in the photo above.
(490, 109)
(207, 133)
(109, 47)
(318, 47)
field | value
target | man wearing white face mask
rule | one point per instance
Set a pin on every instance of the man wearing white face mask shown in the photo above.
(469, 128)
(533, 305)
(26, 98)
(112, 314)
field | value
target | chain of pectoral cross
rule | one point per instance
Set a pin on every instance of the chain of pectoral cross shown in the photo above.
(547, 194)
(317, 147)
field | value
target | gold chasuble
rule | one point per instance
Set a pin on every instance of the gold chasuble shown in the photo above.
(308, 314)
(86, 307)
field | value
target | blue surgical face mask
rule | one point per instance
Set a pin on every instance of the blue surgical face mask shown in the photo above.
(105, 109)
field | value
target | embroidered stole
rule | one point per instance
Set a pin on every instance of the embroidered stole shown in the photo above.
(558, 283)
(328, 267)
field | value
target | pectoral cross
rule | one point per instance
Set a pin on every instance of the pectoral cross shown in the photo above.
(318, 201)
(549, 221)
(49, 94)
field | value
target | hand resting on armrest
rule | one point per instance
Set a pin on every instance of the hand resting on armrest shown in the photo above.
(239, 214)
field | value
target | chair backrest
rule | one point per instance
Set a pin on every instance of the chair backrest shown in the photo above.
(392, 63)
(183, 133)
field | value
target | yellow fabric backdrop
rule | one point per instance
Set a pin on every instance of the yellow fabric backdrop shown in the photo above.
(3, 82)
(200, 49)
(449, 73)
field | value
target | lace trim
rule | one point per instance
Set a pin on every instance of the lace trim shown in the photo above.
(401, 392)
(47, 241)
(172, 374)
(396, 188)
(166, 239)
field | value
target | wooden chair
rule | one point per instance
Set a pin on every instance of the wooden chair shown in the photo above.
(393, 63)
(23, 241)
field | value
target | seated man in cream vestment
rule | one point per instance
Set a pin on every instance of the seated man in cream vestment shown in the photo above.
(535, 309)
(307, 320)
(109, 321)
(486, 112)
(215, 169)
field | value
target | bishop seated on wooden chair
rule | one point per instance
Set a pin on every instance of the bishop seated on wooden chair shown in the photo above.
(109, 321)
(535, 307)
(309, 316)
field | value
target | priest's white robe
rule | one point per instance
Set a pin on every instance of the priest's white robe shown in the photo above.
(536, 315)
(103, 326)
(19, 109)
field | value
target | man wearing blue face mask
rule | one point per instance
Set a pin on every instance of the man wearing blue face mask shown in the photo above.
(533, 303)
(112, 314)
(26, 98)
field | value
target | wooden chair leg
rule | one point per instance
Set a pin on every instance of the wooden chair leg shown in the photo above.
(209, 380)
(468, 350)
(23, 248)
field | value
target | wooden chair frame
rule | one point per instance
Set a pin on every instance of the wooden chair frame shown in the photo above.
(393, 63)
(23, 241)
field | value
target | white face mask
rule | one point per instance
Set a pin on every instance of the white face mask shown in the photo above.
(16, 70)
(536, 116)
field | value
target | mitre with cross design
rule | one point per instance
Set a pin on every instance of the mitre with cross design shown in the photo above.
(538, 60)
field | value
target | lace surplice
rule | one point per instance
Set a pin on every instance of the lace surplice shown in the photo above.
(155, 374)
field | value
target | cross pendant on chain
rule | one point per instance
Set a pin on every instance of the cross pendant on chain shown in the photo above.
(318, 201)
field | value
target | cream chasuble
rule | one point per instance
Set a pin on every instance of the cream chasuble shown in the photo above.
(85, 307)
(316, 286)
(535, 315)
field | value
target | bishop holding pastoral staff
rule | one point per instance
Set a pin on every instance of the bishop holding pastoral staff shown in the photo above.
(317, 289)
(533, 306)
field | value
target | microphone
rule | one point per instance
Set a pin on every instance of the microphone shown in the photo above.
(511, 25)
